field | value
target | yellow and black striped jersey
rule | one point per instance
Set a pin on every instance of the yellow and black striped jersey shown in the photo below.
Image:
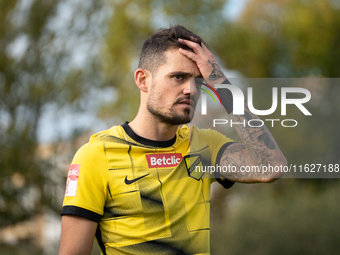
(145, 194)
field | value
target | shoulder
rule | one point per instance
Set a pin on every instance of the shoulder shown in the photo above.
(115, 131)
(209, 137)
(95, 145)
(206, 133)
(193, 130)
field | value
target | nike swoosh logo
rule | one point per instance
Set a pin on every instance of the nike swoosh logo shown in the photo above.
(128, 182)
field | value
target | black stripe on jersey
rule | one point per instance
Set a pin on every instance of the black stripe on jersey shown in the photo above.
(200, 229)
(152, 200)
(100, 240)
(142, 140)
(78, 211)
(225, 183)
(109, 190)
(114, 139)
(125, 168)
(199, 151)
(155, 247)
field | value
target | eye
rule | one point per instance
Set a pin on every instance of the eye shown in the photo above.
(178, 77)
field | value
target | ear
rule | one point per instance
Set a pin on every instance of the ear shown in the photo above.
(142, 79)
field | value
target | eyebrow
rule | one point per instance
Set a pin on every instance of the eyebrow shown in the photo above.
(184, 74)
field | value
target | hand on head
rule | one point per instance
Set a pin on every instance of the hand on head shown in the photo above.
(204, 60)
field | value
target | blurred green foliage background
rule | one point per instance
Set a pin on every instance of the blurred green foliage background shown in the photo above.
(61, 59)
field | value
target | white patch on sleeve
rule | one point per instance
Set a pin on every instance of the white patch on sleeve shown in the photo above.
(72, 180)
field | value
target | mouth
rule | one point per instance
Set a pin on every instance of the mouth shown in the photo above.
(187, 102)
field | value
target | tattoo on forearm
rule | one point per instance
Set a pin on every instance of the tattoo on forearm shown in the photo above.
(216, 72)
(247, 116)
(267, 141)
(258, 148)
(229, 158)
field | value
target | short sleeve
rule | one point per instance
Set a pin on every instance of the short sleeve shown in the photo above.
(87, 181)
(217, 143)
(215, 140)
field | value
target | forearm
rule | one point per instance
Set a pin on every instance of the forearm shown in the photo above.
(258, 149)
(260, 145)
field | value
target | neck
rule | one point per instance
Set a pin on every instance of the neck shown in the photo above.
(149, 127)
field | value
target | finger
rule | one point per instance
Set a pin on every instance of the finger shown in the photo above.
(199, 50)
(203, 46)
(188, 41)
(193, 39)
(191, 44)
(194, 46)
(188, 54)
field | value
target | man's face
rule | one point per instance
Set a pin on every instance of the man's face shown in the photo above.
(172, 97)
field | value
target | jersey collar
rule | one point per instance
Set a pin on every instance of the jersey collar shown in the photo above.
(146, 141)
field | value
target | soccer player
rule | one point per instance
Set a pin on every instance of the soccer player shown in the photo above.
(134, 187)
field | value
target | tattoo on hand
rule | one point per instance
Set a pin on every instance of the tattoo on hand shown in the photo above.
(216, 72)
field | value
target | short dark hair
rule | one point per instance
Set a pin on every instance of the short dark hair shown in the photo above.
(152, 55)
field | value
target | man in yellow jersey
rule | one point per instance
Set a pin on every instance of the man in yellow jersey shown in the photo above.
(133, 186)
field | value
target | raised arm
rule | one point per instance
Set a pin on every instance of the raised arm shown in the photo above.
(77, 235)
(258, 149)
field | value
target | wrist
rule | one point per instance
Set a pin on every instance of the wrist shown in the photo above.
(221, 80)
(226, 97)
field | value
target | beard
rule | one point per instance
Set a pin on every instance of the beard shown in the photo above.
(172, 116)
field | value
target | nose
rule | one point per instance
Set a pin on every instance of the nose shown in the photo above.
(190, 88)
